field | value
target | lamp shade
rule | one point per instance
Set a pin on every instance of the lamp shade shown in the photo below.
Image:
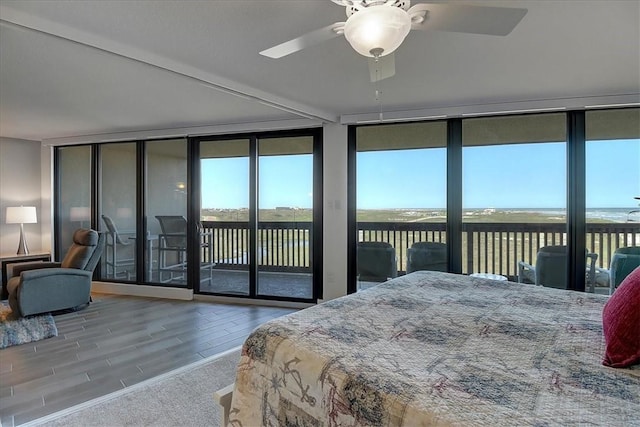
(21, 215)
(377, 30)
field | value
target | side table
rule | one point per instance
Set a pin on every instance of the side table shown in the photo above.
(6, 259)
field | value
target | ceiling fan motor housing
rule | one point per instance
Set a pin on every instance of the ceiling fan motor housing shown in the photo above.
(353, 6)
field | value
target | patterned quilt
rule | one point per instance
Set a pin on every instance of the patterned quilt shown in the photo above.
(436, 349)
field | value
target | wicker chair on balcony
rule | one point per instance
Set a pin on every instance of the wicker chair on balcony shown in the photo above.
(376, 262)
(427, 256)
(551, 268)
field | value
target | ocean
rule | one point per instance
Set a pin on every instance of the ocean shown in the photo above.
(608, 214)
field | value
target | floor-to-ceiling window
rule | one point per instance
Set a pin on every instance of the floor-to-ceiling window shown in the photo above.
(201, 225)
(517, 188)
(73, 195)
(514, 192)
(117, 207)
(401, 200)
(613, 193)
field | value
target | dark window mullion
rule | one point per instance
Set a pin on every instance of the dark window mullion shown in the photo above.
(253, 215)
(316, 228)
(193, 215)
(576, 200)
(141, 226)
(454, 195)
(352, 225)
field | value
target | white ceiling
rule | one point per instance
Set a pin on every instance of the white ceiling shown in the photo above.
(71, 68)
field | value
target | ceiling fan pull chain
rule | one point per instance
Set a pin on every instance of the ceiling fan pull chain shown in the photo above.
(378, 93)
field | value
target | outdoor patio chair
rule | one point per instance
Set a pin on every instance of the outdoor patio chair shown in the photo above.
(172, 249)
(551, 268)
(427, 256)
(115, 266)
(376, 261)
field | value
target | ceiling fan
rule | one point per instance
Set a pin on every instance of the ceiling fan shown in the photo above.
(376, 28)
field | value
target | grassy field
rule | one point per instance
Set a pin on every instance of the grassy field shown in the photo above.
(393, 215)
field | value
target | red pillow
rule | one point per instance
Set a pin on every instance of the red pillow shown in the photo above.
(621, 323)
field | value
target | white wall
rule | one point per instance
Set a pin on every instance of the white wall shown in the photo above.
(335, 211)
(21, 176)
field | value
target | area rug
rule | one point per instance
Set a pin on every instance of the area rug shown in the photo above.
(15, 330)
(183, 397)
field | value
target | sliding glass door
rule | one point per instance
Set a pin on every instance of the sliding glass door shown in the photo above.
(224, 215)
(259, 216)
(285, 217)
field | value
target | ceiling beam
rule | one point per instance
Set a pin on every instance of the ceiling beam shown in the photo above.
(21, 20)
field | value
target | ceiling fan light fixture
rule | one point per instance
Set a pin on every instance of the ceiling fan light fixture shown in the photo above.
(377, 31)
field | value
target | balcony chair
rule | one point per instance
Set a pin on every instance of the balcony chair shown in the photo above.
(172, 249)
(41, 287)
(115, 267)
(376, 261)
(427, 256)
(551, 268)
(623, 262)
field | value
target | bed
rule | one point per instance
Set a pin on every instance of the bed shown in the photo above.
(435, 348)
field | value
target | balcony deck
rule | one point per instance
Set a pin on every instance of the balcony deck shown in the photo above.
(280, 284)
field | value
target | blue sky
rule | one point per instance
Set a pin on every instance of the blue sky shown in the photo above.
(499, 176)
(284, 181)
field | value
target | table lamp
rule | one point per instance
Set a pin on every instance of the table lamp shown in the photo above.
(22, 215)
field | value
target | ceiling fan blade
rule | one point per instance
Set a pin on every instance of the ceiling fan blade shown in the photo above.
(310, 39)
(462, 18)
(382, 68)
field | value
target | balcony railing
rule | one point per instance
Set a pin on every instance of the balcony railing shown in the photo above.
(282, 246)
(487, 247)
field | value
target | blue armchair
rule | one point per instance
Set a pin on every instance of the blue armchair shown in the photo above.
(42, 287)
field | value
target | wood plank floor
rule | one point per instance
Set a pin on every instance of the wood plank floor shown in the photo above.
(116, 342)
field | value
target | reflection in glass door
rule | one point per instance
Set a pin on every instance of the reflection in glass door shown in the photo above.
(166, 212)
(285, 217)
(118, 210)
(74, 195)
(224, 215)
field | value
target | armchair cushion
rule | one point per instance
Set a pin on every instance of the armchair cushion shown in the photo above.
(621, 323)
(26, 266)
